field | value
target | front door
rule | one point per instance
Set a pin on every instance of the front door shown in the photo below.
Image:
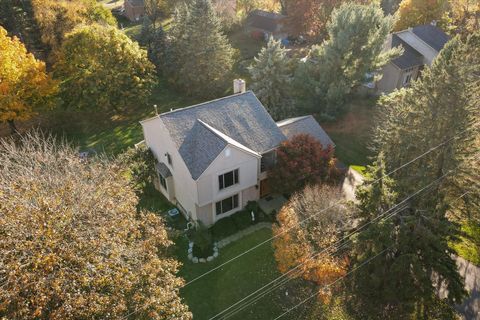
(264, 188)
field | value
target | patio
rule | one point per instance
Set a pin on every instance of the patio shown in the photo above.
(272, 202)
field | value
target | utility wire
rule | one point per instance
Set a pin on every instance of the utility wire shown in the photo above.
(357, 231)
(332, 283)
(304, 220)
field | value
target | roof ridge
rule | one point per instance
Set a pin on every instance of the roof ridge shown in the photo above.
(206, 102)
(222, 136)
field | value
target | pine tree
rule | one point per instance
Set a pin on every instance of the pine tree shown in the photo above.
(357, 34)
(147, 32)
(271, 76)
(441, 105)
(203, 57)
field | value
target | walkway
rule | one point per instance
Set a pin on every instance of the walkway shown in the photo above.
(245, 232)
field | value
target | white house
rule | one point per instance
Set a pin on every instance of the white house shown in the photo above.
(213, 157)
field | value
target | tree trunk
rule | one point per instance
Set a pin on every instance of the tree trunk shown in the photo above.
(13, 127)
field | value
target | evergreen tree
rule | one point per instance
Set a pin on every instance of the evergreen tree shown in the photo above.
(271, 75)
(443, 104)
(147, 33)
(203, 57)
(357, 34)
(158, 52)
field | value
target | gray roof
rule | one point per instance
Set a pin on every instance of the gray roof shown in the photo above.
(433, 36)
(264, 20)
(137, 3)
(409, 58)
(197, 130)
(163, 170)
(307, 125)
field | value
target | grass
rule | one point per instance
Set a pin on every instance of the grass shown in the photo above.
(352, 134)
(359, 169)
(112, 133)
(216, 291)
(469, 245)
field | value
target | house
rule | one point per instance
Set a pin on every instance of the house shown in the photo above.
(421, 45)
(214, 157)
(134, 9)
(267, 24)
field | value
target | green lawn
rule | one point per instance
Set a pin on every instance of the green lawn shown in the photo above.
(216, 291)
(112, 133)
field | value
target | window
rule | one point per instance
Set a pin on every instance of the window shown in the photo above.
(227, 204)
(169, 158)
(228, 179)
(163, 182)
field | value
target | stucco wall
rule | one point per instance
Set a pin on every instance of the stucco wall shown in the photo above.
(206, 214)
(250, 194)
(390, 77)
(230, 159)
(158, 140)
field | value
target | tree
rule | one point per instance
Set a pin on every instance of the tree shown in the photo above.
(156, 10)
(463, 16)
(147, 33)
(440, 106)
(203, 57)
(25, 86)
(301, 161)
(335, 67)
(271, 76)
(312, 244)
(412, 13)
(102, 68)
(73, 245)
(56, 18)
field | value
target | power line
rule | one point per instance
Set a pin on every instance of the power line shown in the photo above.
(332, 283)
(357, 231)
(304, 220)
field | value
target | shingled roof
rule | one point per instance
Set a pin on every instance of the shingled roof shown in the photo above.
(202, 131)
(409, 58)
(431, 35)
(265, 20)
(307, 125)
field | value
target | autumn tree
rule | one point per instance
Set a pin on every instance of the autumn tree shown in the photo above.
(314, 245)
(271, 75)
(156, 10)
(73, 245)
(463, 16)
(202, 55)
(412, 13)
(56, 18)
(102, 68)
(25, 86)
(302, 160)
(339, 64)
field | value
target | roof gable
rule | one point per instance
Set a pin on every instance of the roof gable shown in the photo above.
(197, 130)
(431, 35)
(305, 125)
(409, 58)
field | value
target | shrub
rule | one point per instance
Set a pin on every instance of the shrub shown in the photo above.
(202, 240)
(223, 228)
(243, 220)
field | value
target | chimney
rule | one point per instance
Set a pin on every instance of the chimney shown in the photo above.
(239, 86)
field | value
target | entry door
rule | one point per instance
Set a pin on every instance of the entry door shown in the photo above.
(264, 188)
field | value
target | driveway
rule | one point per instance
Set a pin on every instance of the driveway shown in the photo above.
(470, 309)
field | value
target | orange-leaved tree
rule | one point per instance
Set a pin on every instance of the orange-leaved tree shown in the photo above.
(312, 246)
(412, 13)
(25, 86)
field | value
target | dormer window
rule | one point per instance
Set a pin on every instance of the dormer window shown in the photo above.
(227, 179)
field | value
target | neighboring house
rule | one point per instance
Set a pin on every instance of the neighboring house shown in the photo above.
(267, 23)
(134, 9)
(214, 157)
(421, 45)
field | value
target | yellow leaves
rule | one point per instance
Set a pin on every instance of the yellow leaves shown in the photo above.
(416, 12)
(24, 83)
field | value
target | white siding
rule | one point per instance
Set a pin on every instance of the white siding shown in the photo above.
(159, 141)
(208, 189)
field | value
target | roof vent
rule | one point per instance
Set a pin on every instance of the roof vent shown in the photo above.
(239, 86)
